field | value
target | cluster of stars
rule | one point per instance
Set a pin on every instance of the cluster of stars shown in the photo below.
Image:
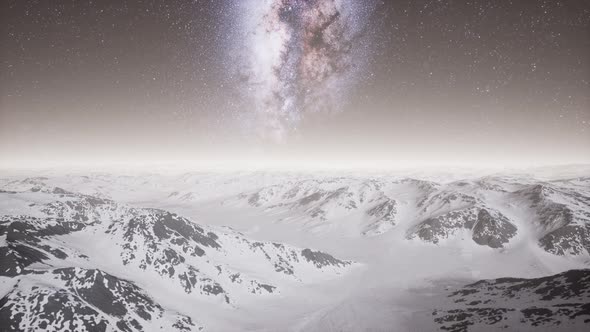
(219, 66)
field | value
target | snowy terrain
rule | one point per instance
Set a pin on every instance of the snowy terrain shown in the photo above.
(295, 251)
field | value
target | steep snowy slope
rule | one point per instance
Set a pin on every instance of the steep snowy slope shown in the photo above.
(562, 217)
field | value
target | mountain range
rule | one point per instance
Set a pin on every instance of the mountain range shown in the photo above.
(288, 251)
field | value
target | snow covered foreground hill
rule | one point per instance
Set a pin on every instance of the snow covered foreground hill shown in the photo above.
(557, 302)
(71, 261)
(231, 251)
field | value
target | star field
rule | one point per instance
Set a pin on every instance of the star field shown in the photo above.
(293, 57)
(498, 80)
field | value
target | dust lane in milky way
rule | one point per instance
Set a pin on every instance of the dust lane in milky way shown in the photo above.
(298, 56)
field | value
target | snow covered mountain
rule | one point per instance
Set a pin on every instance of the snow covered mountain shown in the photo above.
(318, 201)
(559, 211)
(292, 251)
(63, 251)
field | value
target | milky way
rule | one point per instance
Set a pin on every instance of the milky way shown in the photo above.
(294, 57)
(423, 81)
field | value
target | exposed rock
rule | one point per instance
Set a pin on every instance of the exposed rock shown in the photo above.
(492, 231)
(488, 228)
(321, 259)
(558, 301)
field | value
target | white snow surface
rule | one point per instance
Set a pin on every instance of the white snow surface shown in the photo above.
(390, 274)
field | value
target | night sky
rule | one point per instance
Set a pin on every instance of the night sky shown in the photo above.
(487, 83)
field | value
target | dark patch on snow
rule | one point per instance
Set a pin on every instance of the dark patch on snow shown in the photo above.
(492, 231)
(548, 302)
(320, 259)
(572, 239)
